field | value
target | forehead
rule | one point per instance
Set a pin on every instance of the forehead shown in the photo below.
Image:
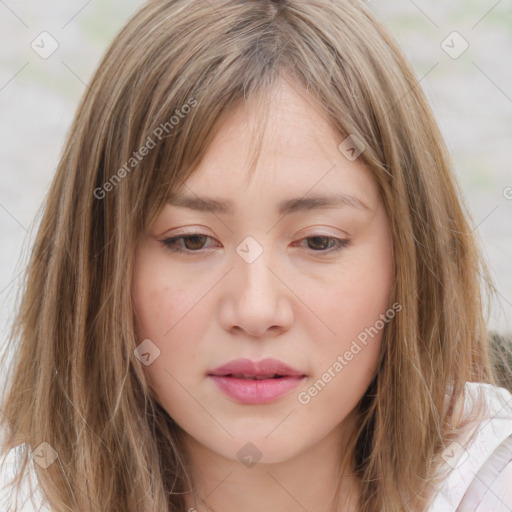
(299, 152)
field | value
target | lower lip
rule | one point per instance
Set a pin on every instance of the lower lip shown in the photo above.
(251, 391)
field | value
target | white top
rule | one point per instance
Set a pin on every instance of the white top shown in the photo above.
(480, 479)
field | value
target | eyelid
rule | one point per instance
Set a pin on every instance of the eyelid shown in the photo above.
(188, 231)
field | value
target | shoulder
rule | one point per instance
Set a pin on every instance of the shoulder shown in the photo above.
(495, 492)
(481, 474)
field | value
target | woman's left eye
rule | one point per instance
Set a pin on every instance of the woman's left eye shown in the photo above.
(324, 241)
(194, 243)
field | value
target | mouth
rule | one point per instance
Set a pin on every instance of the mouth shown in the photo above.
(247, 382)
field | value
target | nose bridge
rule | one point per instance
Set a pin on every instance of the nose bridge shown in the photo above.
(252, 269)
(258, 296)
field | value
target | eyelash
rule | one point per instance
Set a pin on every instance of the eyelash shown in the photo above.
(170, 243)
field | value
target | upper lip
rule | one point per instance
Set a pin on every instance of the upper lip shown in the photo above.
(264, 367)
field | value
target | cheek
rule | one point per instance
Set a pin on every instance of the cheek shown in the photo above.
(354, 297)
(346, 362)
(168, 316)
(356, 308)
(160, 296)
(164, 314)
(168, 313)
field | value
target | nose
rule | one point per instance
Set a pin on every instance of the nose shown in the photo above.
(257, 300)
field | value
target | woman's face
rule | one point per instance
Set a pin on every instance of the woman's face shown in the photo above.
(288, 270)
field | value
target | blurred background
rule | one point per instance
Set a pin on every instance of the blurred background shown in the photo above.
(460, 51)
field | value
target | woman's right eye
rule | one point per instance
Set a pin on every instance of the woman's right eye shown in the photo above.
(192, 243)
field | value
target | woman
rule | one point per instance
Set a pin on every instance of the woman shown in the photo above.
(323, 347)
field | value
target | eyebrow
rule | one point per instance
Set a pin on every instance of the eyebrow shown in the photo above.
(285, 207)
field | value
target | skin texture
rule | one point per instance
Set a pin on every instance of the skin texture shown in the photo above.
(298, 302)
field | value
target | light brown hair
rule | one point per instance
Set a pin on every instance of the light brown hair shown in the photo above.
(76, 383)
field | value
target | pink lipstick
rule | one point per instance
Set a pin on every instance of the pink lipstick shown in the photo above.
(250, 382)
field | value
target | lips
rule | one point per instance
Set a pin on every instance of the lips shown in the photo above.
(265, 369)
(249, 382)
